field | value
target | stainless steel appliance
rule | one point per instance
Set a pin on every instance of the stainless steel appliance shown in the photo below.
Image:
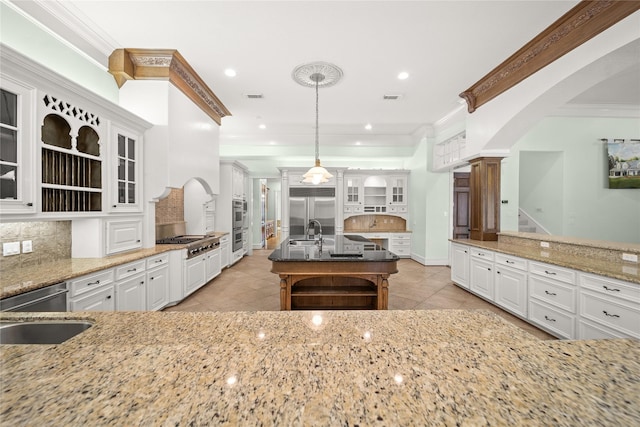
(196, 244)
(50, 298)
(237, 214)
(237, 239)
(306, 203)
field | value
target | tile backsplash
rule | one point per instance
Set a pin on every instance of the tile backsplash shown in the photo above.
(171, 208)
(51, 241)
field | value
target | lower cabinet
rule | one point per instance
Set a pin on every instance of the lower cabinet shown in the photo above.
(460, 265)
(93, 292)
(212, 264)
(225, 251)
(400, 244)
(157, 282)
(556, 321)
(131, 293)
(481, 273)
(194, 274)
(511, 290)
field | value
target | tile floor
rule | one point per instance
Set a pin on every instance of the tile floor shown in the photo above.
(250, 286)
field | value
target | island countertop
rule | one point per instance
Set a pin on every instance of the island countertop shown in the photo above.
(335, 248)
(449, 367)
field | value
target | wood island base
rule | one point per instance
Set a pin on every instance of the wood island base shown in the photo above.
(339, 285)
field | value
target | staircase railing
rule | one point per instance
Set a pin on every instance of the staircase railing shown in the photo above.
(539, 227)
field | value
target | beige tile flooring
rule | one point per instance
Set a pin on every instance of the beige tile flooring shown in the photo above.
(249, 285)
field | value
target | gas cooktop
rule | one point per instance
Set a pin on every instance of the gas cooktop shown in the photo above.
(179, 240)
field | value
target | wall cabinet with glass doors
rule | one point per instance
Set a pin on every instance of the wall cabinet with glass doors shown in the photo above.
(377, 193)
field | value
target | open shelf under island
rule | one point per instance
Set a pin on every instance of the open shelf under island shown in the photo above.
(339, 272)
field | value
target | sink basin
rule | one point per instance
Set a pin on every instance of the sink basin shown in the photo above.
(41, 332)
(302, 242)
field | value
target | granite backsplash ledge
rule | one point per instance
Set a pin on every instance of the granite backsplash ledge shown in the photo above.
(588, 248)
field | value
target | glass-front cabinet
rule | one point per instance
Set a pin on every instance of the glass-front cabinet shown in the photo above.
(353, 190)
(16, 133)
(125, 193)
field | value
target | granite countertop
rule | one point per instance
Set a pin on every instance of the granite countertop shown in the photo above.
(336, 248)
(629, 272)
(19, 280)
(449, 367)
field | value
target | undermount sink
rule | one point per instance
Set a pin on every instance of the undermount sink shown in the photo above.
(302, 242)
(41, 332)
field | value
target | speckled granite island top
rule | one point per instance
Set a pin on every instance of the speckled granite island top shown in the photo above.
(391, 368)
(347, 248)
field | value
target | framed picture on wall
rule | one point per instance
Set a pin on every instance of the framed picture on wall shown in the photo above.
(624, 163)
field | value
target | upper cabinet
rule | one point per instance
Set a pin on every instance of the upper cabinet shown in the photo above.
(375, 192)
(16, 136)
(237, 183)
(64, 151)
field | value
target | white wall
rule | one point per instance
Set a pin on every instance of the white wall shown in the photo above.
(195, 197)
(541, 188)
(23, 35)
(589, 208)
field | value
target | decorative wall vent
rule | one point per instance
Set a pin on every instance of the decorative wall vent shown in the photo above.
(63, 107)
(254, 96)
(391, 97)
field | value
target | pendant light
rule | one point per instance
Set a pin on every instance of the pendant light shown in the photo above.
(317, 74)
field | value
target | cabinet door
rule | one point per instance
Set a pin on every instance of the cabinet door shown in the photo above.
(100, 300)
(194, 274)
(158, 288)
(397, 190)
(212, 264)
(352, 190)
(131, 294)
(224, 253)
(123, 235)
(126, 185)
(460, 265)
(17, 155)
(511, 290)
(481, 277)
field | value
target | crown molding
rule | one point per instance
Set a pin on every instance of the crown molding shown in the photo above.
(583, 22)
(166, 64)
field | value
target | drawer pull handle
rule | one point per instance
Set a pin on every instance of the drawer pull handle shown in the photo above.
(158, 261)
(108, 296)
(549, 318)
(550, 293)
(510, 262)
(131, 269)
(551, 273)
(610, 315)
(488, 269)
(97, 282)
(611, 289)
(480, 254)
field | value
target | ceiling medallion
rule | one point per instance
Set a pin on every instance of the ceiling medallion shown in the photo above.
(302, 74)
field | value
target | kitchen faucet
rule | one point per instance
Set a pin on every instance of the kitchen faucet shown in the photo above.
(312, 223)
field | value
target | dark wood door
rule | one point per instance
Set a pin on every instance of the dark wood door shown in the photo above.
(461, 206)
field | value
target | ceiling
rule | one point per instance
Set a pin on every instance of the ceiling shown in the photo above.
(445, 46)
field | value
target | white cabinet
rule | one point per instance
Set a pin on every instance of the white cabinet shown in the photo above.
(397, 194)
(552, 299)
(610, 305)
(511, 284)
(93, 292)
(400, 244)
(225, 251)
(377, 192)
(353, 192)
(131, 293)
(125, 179)
(460, 264)
(210, 216)
(17, 159)
(481, 273)
(194, 274)
(157, 276)
(123, 235)
(212, 264)
(237, 183)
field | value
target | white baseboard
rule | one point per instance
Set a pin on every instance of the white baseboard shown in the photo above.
(424, 261)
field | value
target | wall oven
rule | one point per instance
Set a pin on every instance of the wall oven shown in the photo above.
(237, 239)
(237, 214)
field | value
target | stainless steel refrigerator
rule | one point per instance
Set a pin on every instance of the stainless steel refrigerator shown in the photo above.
(306, 203)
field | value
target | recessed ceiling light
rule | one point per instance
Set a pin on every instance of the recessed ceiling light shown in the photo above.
(272, 143)
(262, 126)
(230, 72)
(403, 75)
(368, 126)
(358, 143)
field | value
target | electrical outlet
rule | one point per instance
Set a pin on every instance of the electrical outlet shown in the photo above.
(544, 244)
(630, 257)
(12, 248)
(27, 246)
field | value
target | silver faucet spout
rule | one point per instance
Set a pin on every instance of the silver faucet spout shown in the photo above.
(315, 222)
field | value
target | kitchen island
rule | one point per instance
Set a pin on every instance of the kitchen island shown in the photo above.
(334, 272)
(384, 368)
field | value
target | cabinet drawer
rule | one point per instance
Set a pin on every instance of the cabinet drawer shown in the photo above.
(612, 312)
(511, 261)
(553, 292)
(402, 250)
(101, 300)
(224, 239)
(557, 273)
(481, 253)
(90, 282)
(560, 323)
(128, 270)
(401, 237)
(592, 331)
(157, 261)
(396, 242)
(612, 287)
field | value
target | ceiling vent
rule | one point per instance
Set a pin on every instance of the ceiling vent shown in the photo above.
(254, 95)
(391, 97)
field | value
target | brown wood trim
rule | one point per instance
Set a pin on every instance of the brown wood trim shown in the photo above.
(583, 22)
(166, 64)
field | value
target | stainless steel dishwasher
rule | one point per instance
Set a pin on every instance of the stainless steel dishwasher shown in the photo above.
(49, 298)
